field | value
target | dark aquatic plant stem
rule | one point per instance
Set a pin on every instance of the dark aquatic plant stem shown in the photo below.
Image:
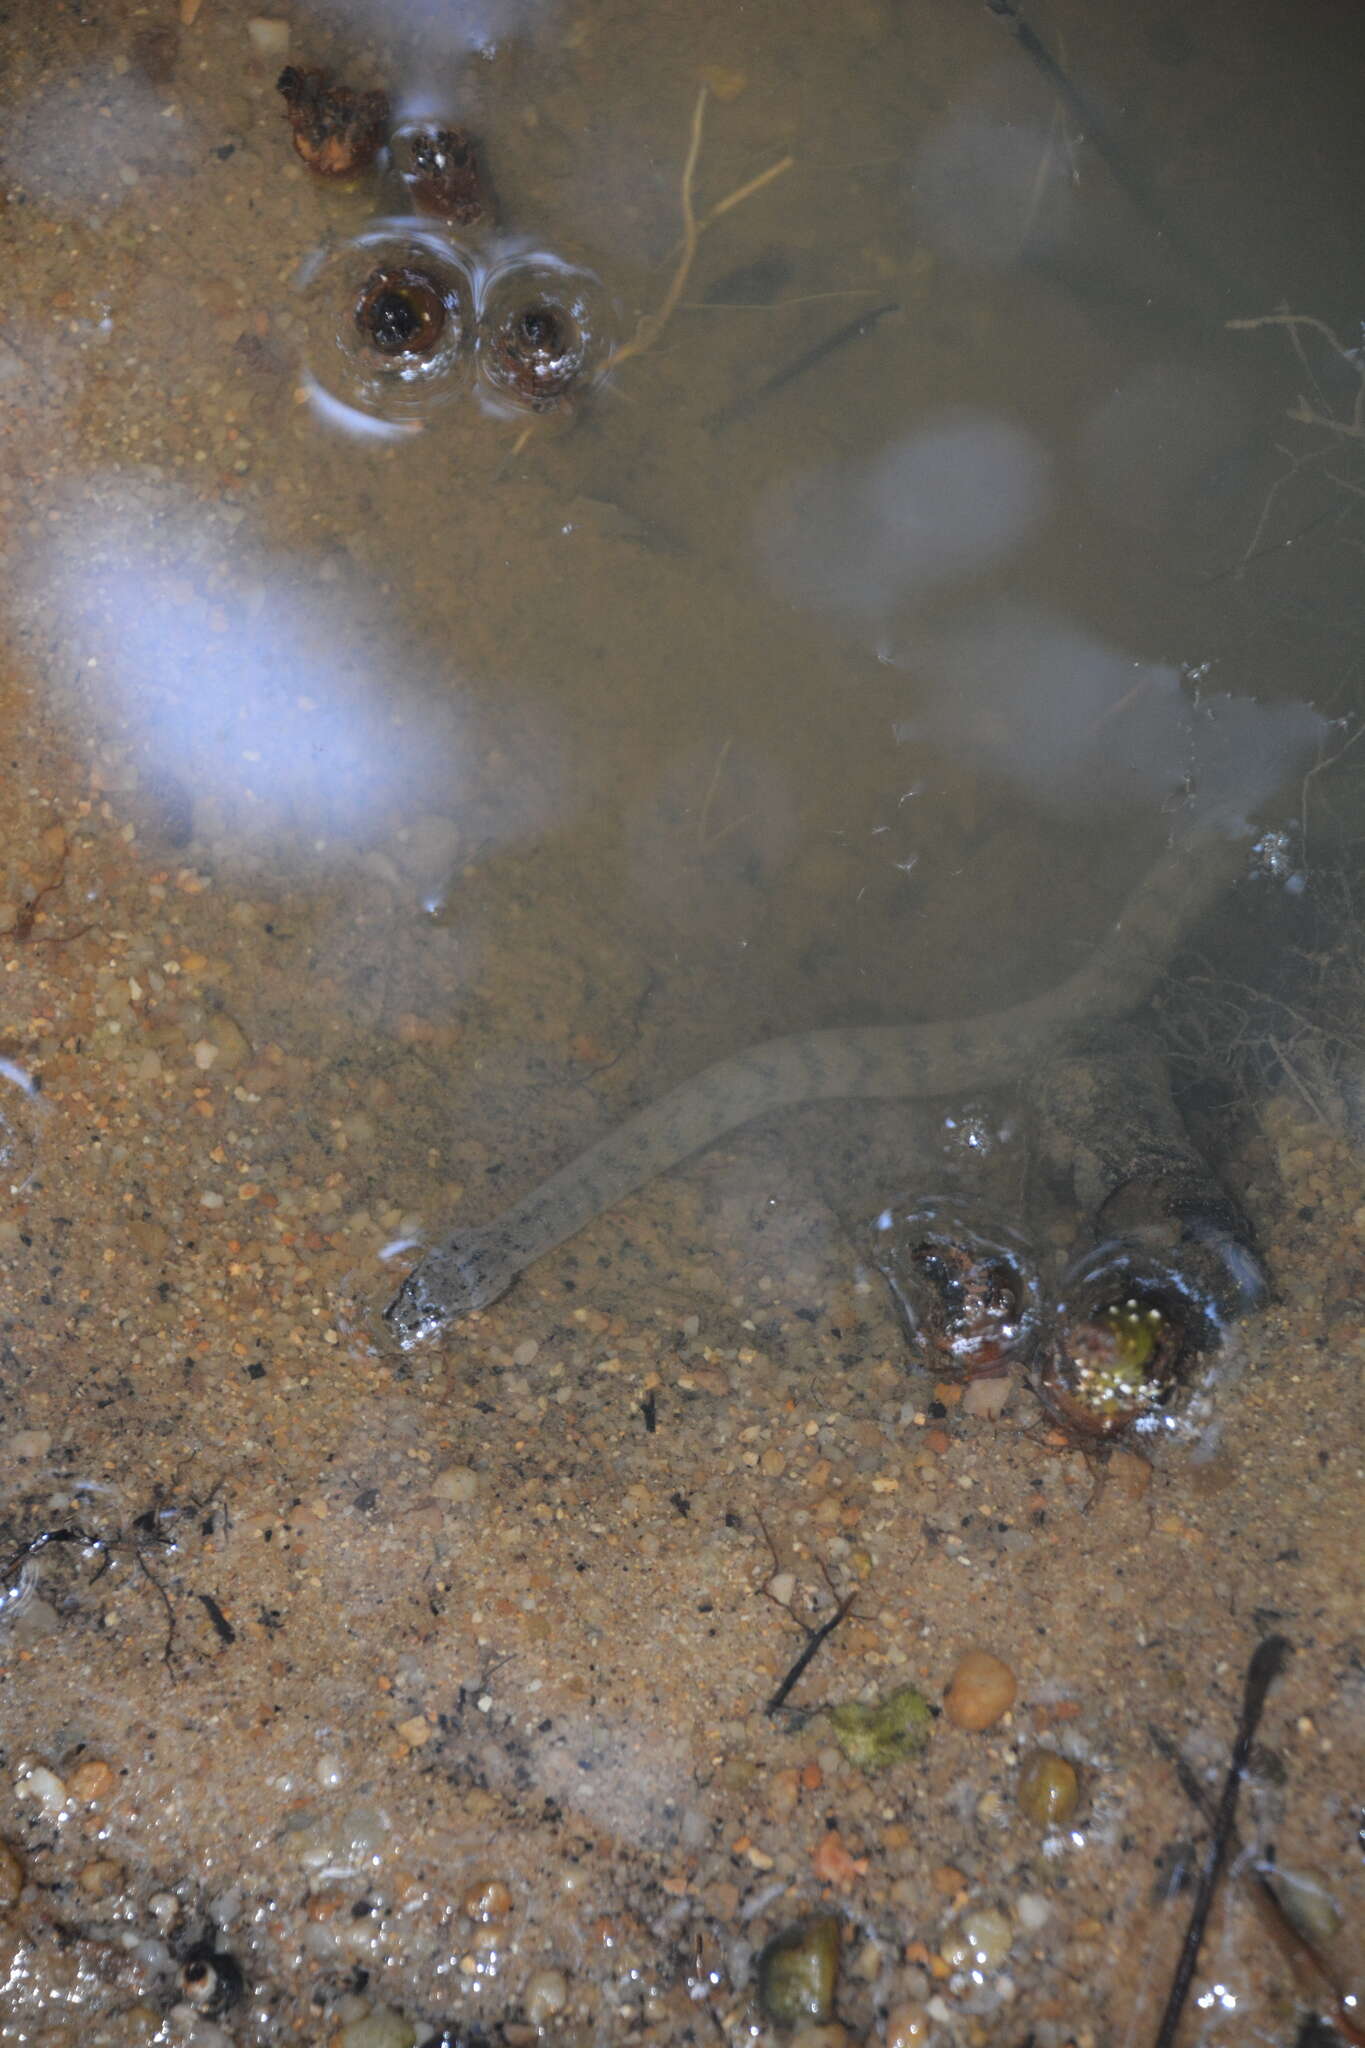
(816, 1637)
(1267, 1662)
(1125, 174)
(818, 352)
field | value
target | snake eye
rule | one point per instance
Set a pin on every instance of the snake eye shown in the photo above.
(443, 173)
(536, 355)
(401, 313)
(965, 1288)
(539, 334)
(1116, 1355)
(211, 1981)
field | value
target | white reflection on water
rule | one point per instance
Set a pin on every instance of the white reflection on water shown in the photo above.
(861, 539)
(281, 692)
(985, 189)
(1047, 703)
(442, 28)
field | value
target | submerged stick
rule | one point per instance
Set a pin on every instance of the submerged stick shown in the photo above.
(1295, 1943)
(814, 1639)
(818, 352)
(1267, 1662)
(1130, 181)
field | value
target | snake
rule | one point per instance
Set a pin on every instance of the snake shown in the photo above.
(469, 1269)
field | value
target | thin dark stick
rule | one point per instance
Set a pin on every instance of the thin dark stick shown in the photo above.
(819, 352)
(1267, 1662)
(816, 1637)
(1297, 1945)
(1126, 176)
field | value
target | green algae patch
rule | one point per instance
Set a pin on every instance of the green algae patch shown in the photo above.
(875, 1735)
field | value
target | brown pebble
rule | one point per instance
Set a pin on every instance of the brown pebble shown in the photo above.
(91, 1781)
(488, 1899)
(11, 1874)
(99, 1878)
(906, 2025)
(1048, 1788)
(981, 1690)
(1128, 1475)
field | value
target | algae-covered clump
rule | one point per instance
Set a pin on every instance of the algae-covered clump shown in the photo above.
(797, 1972)
(880, 1733)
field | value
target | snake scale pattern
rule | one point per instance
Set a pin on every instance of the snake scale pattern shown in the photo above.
(471, 1268)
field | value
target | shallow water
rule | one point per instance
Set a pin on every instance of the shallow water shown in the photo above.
(404, 787)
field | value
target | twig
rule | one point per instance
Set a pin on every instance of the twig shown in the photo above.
(707, 841)
(1125, 174)
(743, 192)
(1296, 1944)
(652, 324)
(1267, 1662)
(1293, 321)
(1302, 413)
(815, 1639)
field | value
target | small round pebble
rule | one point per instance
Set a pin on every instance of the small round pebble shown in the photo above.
(91, 1781)
(1048, 1789)
(1032, 1911)
(547, 1992)
(99, 1878)
(43, 1787)
(981, 1690)
(485, 1900)
(980, 1941)
(378, 2030)
(907, 2026)
(456, 1482)
(798, 1970)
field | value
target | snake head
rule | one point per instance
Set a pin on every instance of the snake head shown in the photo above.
(463, 1274)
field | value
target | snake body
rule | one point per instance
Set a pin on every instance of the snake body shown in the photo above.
(471, 1268)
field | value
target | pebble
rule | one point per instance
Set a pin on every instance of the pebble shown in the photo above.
(456, 1482)
(488, 1899)
(91, 1781)
(1308, 1905)
(269, 38)
(99, 1878)
(1048, 1788)
(230, 1043)
(547, 1992)
(981, 1690)
(29, 1445)
(1032, 1911)
(797, 1972)
(907, 2026)
(986, 1398)
(378, 2030)
(43, 1787)
(527, 1351)
(11, 1874)
(981, 1940)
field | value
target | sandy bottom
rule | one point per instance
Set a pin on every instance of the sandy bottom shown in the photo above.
(353, 1695)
